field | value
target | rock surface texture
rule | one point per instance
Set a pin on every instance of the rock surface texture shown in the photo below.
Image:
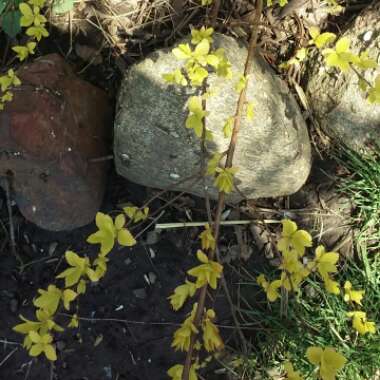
(49, 133)
(336, 99)
(153, 148)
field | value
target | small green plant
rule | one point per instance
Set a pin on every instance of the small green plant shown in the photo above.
(39, 334)
(362, 186)
(16, 15)
(297, 268)
(341, 58)
(317, 316)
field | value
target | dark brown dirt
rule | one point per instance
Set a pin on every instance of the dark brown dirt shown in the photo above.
(137, 345)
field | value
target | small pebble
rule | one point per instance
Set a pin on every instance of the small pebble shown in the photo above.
(367, 36)
(13, 305)
(151, 237)
(60, 345)
(152, 253)
(140, 293)
(52, 247)
(152, 277)
(108, 371)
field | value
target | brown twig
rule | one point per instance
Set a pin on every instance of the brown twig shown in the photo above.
(221, 198)
(6, 181)
(214, 12)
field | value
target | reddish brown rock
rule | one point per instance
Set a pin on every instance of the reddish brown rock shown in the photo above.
(49, 134)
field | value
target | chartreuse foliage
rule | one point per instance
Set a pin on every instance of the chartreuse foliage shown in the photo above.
(28, 16)
(81, 270)
(198, 60)
(301, 273)
(341, 58)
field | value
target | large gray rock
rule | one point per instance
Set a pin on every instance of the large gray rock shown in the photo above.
(153, 147)
(336, 99)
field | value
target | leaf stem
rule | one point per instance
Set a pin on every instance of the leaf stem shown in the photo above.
(228, 164)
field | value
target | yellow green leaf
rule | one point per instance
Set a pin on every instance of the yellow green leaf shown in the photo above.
(250, 111)
(80, 267)
(106, 234)
(201, 51)
(314, 355)
(320, 40)
(181, 293)
(272, 290)
(224, 180)
(176, 371)
(82, 285)
(211, 336)
(176, 77)
(182, 52)
(292, 238)
(42, 344)
(213, 163)
(241, 84)
(341, 57)
(200, 34)
(365, 62)
(195, 123)
(207, 238)
(331, 286)
(207, 273)
(374, 92)
(262, 281)
(49, 299)
(182, 336)
(197, 75)
(120, 221)
(27, 13)
(326, 262)
(37, 3)
(351, 295)
(224, 66)
(37, 32)
(24, 51)
(361, 324)
(329, 361)
(291, 374)
(125, 238)
(228, 127)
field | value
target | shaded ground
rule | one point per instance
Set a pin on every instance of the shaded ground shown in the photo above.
(138, 349)
(131, 324)
(136, 345)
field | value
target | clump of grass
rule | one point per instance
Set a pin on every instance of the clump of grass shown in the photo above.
(362, 186)
(316, 319)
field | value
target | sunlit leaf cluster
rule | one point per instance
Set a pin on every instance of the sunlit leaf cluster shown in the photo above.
(79, 272)
(342, 58)
(296, 265)
(34, 22)
(207, 273)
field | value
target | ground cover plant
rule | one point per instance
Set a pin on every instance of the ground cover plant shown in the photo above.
(316, 313)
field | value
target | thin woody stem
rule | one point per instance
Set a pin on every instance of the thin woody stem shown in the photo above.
(221, 198)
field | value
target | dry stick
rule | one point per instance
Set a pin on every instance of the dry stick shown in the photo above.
(214, 12)
(221, 199)
(8, 356)
(209, 215)
(7, 189)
